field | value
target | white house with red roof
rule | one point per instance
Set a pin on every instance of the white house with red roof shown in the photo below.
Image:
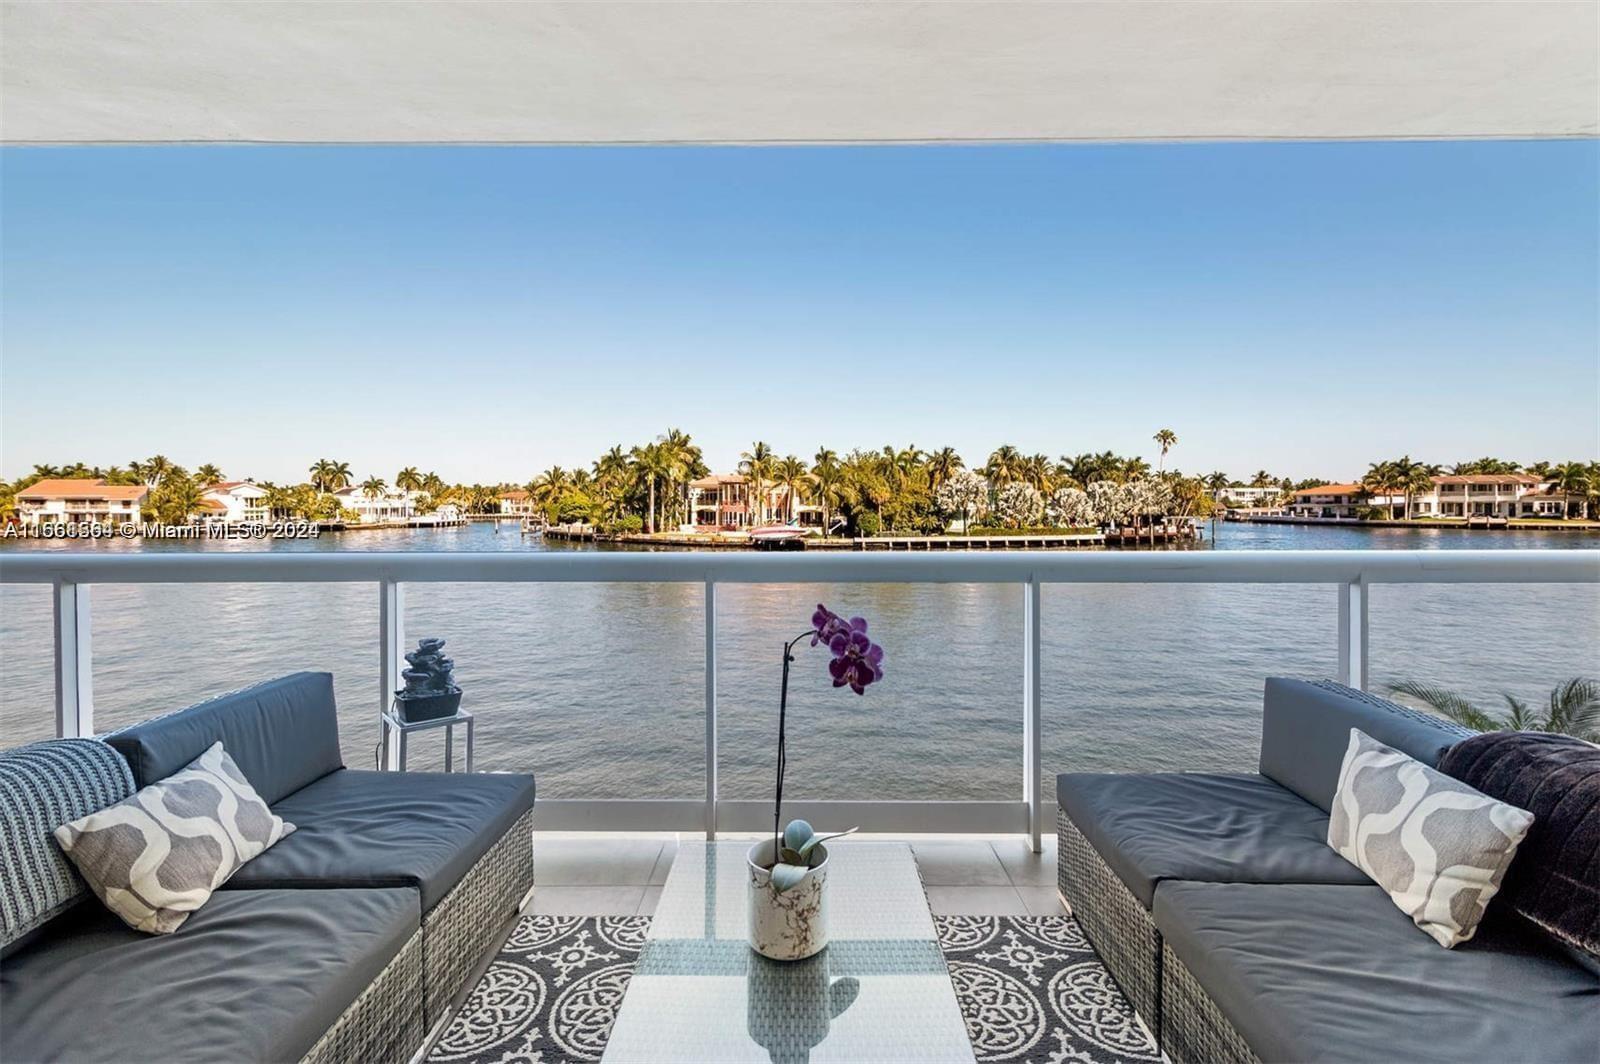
(85, 500)
(234, 501)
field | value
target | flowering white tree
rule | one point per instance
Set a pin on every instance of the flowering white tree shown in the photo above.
(1019, 505)
(964, 493)
(1069, 508)
(1106, 502)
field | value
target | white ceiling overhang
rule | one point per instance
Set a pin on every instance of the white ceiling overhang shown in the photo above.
(775, 72)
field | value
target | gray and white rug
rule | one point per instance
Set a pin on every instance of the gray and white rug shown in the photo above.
(1030, 987)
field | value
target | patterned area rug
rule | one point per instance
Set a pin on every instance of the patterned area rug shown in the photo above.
(1031, 990)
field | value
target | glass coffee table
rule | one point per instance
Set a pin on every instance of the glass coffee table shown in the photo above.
(879, 992)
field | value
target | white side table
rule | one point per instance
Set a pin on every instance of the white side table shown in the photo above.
(393, 723)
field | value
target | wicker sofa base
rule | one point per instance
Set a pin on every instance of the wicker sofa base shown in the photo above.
(384, 1024)
(1192, 1027)
(1120, 928)
(467, 924)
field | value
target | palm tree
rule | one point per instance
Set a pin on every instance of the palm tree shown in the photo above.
(1217, 481)
(547, 488)
(408, 479)
(1037, 471)
(1573, 709)
(756, 465)
(155, 469)
(827, 480)
(1135, 468)
(1410, 478)
(790, 474)
(1382, 478)
(1166, 439)
(433, 485)
(1004, 466)
(651, 463)
(1262, 479)
(1573, 479)
(208, 474)
(942, 465)
(373, 487)
(45, 472)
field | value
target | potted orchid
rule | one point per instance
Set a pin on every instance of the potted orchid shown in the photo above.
(788, 872)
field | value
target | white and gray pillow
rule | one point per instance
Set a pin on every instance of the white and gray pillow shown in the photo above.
(156, 856)
(1436, 845)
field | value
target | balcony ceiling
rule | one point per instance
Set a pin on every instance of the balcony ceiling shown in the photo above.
(773, 72)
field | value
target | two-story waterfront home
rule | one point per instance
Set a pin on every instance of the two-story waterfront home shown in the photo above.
(722, 501)
(234, 502)
(1247, 496)
(517, 503)
(387, 506)
(1328, 501)
(1501, 495)
(66, 501)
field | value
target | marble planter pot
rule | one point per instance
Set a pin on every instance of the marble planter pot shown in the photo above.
(788, 925)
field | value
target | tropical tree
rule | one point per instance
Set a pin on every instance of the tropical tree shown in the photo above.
(756, 465)
(1038, 472)
(373, 487)
(1019, 505)
(1382, 478)
(1575, 480)
(328, 475)
(1004, 466)
(1573, 708)
(408, 479)
(791, 475)
(1262, 479)
(964, 493)
(1217, 481)
(208, 474)
(1166, 439)
(1107, 502)
(942, 465)
(1069, 507)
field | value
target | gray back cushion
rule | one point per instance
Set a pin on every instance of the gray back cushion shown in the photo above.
(43, 786)
(283, 734)
(1305, 730)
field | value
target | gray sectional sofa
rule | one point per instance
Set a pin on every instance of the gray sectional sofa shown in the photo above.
(344, 942)
(1240, 935)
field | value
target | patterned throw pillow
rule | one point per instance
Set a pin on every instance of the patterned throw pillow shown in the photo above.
(1436, 845)
(155, 857)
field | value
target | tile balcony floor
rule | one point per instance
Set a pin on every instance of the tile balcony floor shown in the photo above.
(616, 874)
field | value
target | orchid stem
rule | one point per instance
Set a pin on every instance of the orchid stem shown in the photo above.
(783, 708)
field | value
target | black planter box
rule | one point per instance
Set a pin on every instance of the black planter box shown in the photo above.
(429, 707)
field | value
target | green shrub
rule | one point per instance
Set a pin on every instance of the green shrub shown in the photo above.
(868, 524)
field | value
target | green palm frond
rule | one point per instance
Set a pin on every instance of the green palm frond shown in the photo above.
(1447, 704)
(1522, 717)
(1575, 708)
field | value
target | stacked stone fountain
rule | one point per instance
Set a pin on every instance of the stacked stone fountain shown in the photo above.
(430, 691)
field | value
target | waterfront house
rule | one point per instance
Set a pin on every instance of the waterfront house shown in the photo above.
(235, 501)
(516, 503)
(1477, 495)
(386, 506)
(67, 501)
(1328, 501)
(722, 502)
(1247, 496)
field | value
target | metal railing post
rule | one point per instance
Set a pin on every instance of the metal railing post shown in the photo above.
(1032, 769)
(391, 655)
(74, 661)
(1353, 633)
(711, 710)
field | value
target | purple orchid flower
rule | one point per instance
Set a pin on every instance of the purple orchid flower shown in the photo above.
(856, 663)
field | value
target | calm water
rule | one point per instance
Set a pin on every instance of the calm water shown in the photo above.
(598, 688)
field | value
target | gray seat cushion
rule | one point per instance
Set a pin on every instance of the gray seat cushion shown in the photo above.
(251, 976)
(1217, 828)
(389, 829)
(1312, 972)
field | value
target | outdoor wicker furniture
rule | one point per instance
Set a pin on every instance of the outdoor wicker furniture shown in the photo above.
(1239, 935)
(343, 942)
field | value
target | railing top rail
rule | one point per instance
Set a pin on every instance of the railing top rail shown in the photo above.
(961, 567)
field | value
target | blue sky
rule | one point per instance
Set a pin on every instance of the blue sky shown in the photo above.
(489, 312)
